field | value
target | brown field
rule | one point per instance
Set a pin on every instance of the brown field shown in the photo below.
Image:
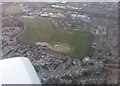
(62, 47)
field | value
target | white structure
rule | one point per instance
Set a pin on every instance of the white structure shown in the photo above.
(59, 6)
(17, 70)
(86, 59)
(82, 17)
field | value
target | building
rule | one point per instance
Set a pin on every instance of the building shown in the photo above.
(87, 61)
(58, 6)
(44, 45)
(45, 14)
(82, 17)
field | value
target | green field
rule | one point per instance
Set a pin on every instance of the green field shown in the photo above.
(13, 9)
(41, 30)
(54, 10)
(95, 11)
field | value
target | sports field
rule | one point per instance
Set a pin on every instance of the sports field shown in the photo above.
(13, 9)
(76, 44)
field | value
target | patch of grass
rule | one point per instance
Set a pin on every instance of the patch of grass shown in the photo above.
(41, 30)
(54, 10)
(94, 10)
(13, 9)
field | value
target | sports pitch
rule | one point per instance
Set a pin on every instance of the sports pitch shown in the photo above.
(75, 44)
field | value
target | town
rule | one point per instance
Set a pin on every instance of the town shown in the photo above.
(98, 19)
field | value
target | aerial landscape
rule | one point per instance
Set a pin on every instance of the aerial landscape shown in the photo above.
(66, 42)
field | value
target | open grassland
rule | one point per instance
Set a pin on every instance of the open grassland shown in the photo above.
(13, 9)
(54, 10)
(94, 10)
(41, 30)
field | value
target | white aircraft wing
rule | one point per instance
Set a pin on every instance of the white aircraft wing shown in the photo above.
(17, 70)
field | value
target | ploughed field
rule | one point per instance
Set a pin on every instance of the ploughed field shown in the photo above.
(39, 29)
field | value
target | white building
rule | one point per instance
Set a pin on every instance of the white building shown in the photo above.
(82, 17)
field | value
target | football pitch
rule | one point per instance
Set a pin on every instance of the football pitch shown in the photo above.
(75, 44)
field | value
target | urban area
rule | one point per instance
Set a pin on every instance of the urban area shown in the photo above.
(67, 42)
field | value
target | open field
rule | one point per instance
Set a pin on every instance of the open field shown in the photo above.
(76, 44)
(54, 10)
(13, 9)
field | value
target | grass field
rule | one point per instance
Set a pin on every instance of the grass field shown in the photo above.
(94, 10)
(41, 30)
(54, 10)
(13, 9)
